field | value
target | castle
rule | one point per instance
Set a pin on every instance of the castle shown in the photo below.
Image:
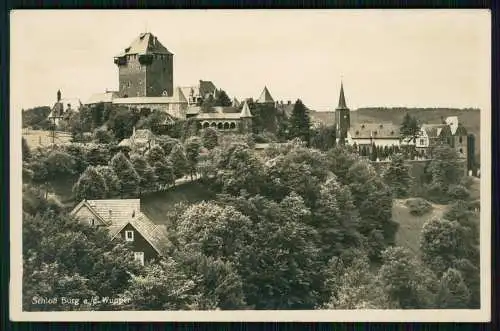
(146, 80)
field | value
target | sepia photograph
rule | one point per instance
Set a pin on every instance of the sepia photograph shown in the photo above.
(250, 165)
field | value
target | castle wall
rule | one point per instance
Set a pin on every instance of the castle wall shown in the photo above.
(132, 78)
(159, 76)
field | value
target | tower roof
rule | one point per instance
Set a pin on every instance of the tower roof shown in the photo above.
(178, 96)
(342, 103)
(245, 112)
(265, 96)
(146, 43)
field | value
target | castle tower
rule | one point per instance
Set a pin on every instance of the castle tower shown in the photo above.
(145, 68)
(265, 97)
(246, 119)
(342, 116)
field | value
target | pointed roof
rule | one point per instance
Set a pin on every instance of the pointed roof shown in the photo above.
(178, 96)
(265, 96)
(235, 103)
(245, 112)
(342, 104)
(146, 43)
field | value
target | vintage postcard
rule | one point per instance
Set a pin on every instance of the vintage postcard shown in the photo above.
(250, 165)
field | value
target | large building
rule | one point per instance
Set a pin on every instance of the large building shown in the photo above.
(145, 68)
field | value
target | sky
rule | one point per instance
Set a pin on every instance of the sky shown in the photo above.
(385, 58)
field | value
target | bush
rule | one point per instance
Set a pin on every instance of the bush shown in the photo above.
(418, 206)
(458, 192)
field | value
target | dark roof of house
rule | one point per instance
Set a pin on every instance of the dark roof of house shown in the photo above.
(436, 130)
(145, 43)
(117, 213)
(265, 96)
(206, 87)
(374, 130)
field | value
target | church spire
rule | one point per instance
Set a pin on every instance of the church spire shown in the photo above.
(342, 103)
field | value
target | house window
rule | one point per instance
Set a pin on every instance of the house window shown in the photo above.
(92, 222)
(129, 235)
(422, 142)
(460, 139)
(139, 256)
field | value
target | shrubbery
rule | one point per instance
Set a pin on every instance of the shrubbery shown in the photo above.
(418, 206)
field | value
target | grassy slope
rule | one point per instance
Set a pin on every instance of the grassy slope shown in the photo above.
(410, 226)
(39, 138)
(156, 205)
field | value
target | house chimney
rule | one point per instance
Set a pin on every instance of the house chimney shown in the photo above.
(58, 95)
(110, 215)
(133, 213)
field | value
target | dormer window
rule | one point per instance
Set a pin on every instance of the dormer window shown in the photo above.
(381, 126)
(129, 235)
(357, 132)
(375, 132)
(392, 132)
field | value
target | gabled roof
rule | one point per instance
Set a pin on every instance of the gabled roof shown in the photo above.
(145, 43)
(235, 103)
(106, 97)
(144, 134)
(245, 111)
(206, 87)
(146, 100)
(178, 96)
(154, 234)
(123, 212)
(374, 130)
(434, 130)
(265, 96)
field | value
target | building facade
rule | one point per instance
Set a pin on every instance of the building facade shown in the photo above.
(124, 220)
(145, 68)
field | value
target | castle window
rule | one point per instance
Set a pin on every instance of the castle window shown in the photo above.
(460, 139)
(362, 126)
(461, 150)
(129, 235)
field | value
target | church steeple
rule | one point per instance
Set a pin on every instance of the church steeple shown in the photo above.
(342, 116)
(342, 103)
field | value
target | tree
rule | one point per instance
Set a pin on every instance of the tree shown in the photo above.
(453, 292)
(167, 143)
(71, 259)
(339, 161)
(59, 165)
(410, 128)
(103, 136)
(373, 199)
(155, 154)
(222, 99)
(357, 288)
(323, 138)
(397, 176)
(97, 155)
(300, 123)
(146, 173)
(129, 179)
(26, 152)
(442, 243)
(210, 138)
(278, 261)
(406, 281)
(164, 171)
(112, 181)
(239, 169)
(163, 286)
(445, 169)
(122, 121)
(179, 161)
(90, 185)
(192, 147)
